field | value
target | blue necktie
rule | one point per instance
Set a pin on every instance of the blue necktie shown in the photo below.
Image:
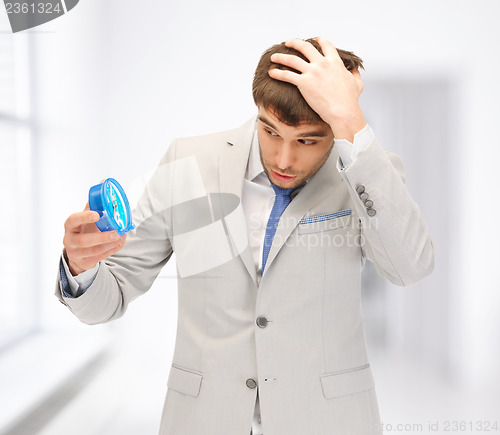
(281, 202)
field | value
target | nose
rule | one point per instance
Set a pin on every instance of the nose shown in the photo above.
(285, 156)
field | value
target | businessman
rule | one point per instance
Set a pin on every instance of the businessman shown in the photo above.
(271, 224)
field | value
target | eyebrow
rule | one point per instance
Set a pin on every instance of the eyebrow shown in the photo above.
(312, 133)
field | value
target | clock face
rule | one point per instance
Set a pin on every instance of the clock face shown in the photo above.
(117, 206)
(110, 201)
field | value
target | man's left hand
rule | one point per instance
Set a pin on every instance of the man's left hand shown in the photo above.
(328, 87)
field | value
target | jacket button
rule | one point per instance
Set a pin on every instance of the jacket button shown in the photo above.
(363, 196)
(262, 322)
(371, 212)
(360, 189)
(368, 203)
(251, 383)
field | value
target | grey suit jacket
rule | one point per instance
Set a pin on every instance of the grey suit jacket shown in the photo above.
(306, 352)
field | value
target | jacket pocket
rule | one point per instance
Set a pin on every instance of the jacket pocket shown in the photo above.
(184, 381)
(350, 381)
(325, 222)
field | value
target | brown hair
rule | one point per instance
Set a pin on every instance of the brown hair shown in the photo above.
(283, 98)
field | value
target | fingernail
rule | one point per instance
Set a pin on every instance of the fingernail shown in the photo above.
(114, 236)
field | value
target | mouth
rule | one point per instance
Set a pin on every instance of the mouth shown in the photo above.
(282, 178)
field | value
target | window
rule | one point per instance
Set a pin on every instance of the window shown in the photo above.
(18, 306)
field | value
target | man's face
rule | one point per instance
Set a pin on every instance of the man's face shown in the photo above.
(292, 155)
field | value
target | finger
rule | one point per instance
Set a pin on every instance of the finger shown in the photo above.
(80, 218)
(87, 240)
(83, 254)
(356, 73)
(359, 82)
(361, 86)
(306, 48)
(290, 60)
(329, 50)
(284, 75)
(105, 253)
(117, 248)
(83, 264)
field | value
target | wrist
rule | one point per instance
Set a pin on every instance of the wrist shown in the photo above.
(73, 268)
(347, 125)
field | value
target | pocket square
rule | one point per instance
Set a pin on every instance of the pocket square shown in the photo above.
(325, 222)
(324, 217)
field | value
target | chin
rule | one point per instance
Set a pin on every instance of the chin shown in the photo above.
(291, 185)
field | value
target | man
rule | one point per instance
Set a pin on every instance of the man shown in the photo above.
(271, 224)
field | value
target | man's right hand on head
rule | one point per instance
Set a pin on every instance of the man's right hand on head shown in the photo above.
(85, 245)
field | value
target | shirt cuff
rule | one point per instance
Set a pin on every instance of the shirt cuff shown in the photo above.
(348, 152)
(75, 286)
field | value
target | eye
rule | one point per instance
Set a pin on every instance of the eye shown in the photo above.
(307, 142)
(269, 132)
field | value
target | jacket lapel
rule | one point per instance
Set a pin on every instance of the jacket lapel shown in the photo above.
(232, 167)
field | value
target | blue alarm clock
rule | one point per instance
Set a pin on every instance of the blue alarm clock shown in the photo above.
(109, 200)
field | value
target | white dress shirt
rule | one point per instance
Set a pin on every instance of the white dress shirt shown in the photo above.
(257, 202)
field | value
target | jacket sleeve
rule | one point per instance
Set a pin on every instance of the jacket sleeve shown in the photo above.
(394, 235)
(130, 272)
